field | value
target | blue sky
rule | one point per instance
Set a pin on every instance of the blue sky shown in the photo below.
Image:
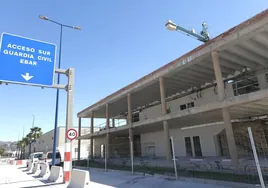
(120, 42)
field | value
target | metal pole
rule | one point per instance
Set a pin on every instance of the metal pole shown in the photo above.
(33, 121)
(105, 157)
(79, 141)
(174, 157)
(69, 124)
(57, 105)
(256, 157)
(132, 158)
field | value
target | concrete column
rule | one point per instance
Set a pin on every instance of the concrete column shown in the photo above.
(230, 136)
(262, 81)
(129, 109)
(79, 141)
(225, 112)
(129, 118)
(107, 117)
(108, 134)
(113, 122)
(165, 123)
(91, 132)
(218, 75)
(107, 145)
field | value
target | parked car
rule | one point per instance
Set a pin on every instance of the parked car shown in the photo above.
(34, 157)
(47, 158)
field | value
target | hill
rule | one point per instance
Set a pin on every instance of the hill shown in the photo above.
(8, 145)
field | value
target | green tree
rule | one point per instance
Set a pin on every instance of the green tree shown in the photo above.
(2, 150)
(32, 136)
(24, 144)
(36, 132)
(21, 146)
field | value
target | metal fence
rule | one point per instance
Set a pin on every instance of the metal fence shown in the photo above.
(140, 158)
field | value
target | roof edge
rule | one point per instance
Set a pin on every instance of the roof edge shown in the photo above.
(258, 17)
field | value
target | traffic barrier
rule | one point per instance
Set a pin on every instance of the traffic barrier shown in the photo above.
(24, 162)
(21, 163)
(35, 166)
(44, 170)
(56, 174)
(30, 166)
(67, 162)
(36, 169)
(79, 179)
(12, 162)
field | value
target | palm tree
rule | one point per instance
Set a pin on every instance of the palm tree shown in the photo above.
(21, 145)
(36, 132)
(29, 141)
(32, 136)
(24, 144)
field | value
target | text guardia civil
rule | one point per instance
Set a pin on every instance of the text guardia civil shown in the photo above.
(26, 54)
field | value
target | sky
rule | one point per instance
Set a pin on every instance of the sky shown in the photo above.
(120, 42)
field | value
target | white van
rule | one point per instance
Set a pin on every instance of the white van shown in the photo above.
(34, 157)
(47, 158)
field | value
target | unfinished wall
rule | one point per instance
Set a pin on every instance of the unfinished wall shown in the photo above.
(153, 143)
(45, 142)
(242, 138)
(119, 146)
(207, 96)
(98, 141)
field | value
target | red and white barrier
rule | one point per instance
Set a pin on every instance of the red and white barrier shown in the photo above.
(21, 162)
(67, 162)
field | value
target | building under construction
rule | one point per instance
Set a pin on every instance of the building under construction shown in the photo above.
(204, 100)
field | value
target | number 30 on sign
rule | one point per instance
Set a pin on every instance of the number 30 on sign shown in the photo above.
(71, 134)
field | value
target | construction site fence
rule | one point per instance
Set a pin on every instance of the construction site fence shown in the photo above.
(147, 159)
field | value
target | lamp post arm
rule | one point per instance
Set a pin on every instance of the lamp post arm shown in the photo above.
(54, 22)
(199, 37)
(60, 24)
(67, 26)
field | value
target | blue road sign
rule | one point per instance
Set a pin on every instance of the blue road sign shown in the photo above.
(26, 61)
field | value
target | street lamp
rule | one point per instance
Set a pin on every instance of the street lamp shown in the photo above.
(33, 121)
(171, 25)
(58, 82)
(204, 36)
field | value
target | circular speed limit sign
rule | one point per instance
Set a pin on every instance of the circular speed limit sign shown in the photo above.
(71, 134)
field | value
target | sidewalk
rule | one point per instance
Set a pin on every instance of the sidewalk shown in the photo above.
(120, 179)
(12, 177)
(16, 177)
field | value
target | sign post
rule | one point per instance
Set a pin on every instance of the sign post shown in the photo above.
(69, 125)
(31, 62)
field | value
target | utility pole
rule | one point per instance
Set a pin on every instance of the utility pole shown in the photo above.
(33, 121)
